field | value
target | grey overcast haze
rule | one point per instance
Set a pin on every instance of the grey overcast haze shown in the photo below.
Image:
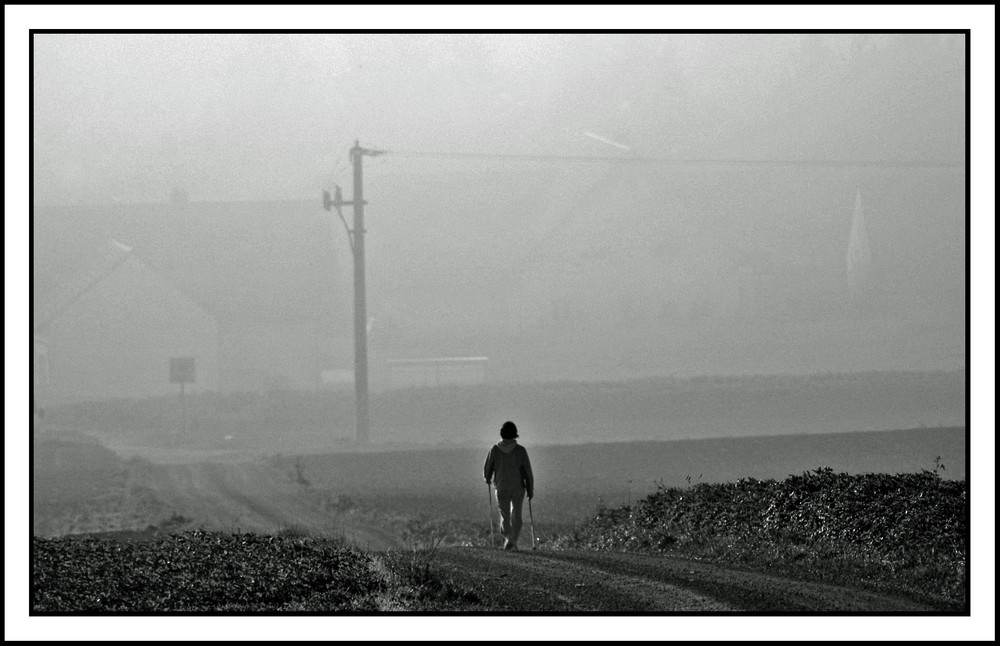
(585, 206)
(750, 249)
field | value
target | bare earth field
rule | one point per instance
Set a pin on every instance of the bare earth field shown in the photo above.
(369, 497)
(424, 503)
(591, 444)
(218, 426)
(97, 478)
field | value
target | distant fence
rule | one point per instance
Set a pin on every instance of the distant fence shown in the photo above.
(408, 373)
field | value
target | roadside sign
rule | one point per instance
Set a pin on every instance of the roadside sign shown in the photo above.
(182, 370)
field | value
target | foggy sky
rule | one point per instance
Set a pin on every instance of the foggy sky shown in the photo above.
(270, 116)
(128, 118)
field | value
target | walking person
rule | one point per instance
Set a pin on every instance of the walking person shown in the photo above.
(508, 468)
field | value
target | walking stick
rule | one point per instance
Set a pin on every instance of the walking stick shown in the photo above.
(489, 502)
(532, 517)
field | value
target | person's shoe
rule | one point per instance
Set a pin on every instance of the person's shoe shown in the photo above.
(507, 545)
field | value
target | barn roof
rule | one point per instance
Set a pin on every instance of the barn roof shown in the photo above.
(238, 260)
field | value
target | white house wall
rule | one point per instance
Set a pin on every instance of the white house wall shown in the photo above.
(118, 338)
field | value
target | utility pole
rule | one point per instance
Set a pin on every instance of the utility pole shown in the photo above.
(357, 240)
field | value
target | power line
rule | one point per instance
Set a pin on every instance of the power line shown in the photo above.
(816, 163)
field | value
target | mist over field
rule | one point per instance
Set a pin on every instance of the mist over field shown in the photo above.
(568, 206)
(606, 238)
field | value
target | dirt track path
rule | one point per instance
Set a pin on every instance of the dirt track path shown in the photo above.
(578, 581)
(254, 497)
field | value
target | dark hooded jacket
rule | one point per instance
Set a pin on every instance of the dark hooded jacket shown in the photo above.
(508, 467)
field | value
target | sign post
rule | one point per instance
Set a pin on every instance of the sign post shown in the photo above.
(182, 372)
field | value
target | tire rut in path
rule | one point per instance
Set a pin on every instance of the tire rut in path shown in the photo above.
(532, 581)
(744, 590)
(252, 497)
(575, 581)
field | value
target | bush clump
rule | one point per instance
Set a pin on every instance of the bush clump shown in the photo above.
(201, 571)
(912, 522)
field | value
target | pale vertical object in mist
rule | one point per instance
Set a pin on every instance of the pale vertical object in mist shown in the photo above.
(859, 254)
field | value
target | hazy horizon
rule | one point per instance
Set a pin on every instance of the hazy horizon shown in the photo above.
(569, 206)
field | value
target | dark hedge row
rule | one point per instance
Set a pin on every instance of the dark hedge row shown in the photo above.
(914, 521)
(200, 571)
